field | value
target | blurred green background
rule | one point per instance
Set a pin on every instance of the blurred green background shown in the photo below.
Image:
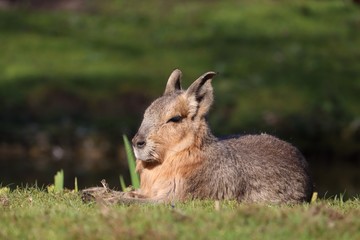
(76, 75)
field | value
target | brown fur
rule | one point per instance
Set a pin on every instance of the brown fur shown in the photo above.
(178, 158)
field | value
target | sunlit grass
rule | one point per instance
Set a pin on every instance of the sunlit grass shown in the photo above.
(28, 213)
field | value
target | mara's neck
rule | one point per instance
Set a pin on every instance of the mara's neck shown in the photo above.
(204, 137)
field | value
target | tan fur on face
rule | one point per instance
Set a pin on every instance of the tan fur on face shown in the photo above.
(172, 138)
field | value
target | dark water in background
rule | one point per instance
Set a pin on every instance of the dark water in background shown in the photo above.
(90, 160)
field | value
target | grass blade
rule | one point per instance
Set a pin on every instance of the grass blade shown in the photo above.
(135, 182)
(59, 181)
(76, 189)
(314, 197)
(122, 183)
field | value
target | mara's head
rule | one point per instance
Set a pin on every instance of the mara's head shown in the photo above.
(175, 121)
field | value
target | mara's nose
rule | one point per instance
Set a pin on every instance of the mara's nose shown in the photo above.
(139, 141)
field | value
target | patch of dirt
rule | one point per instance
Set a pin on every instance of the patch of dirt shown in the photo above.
(106, 196)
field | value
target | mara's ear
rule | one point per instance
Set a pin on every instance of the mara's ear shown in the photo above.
(200, 95)
(174, 82)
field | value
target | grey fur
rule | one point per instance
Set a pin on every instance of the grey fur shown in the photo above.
(252, 168)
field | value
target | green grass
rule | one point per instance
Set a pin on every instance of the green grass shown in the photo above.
(134, 177)
(291, 57)
(30, 213)
(59, 181)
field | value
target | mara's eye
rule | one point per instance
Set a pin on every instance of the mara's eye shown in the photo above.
(175, 119)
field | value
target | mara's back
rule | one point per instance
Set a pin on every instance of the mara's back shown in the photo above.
(179, 158)
(252, 168)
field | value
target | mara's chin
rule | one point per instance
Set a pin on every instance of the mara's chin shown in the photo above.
(140, 156)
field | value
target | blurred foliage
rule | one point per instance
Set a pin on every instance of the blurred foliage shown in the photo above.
(83, 78)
